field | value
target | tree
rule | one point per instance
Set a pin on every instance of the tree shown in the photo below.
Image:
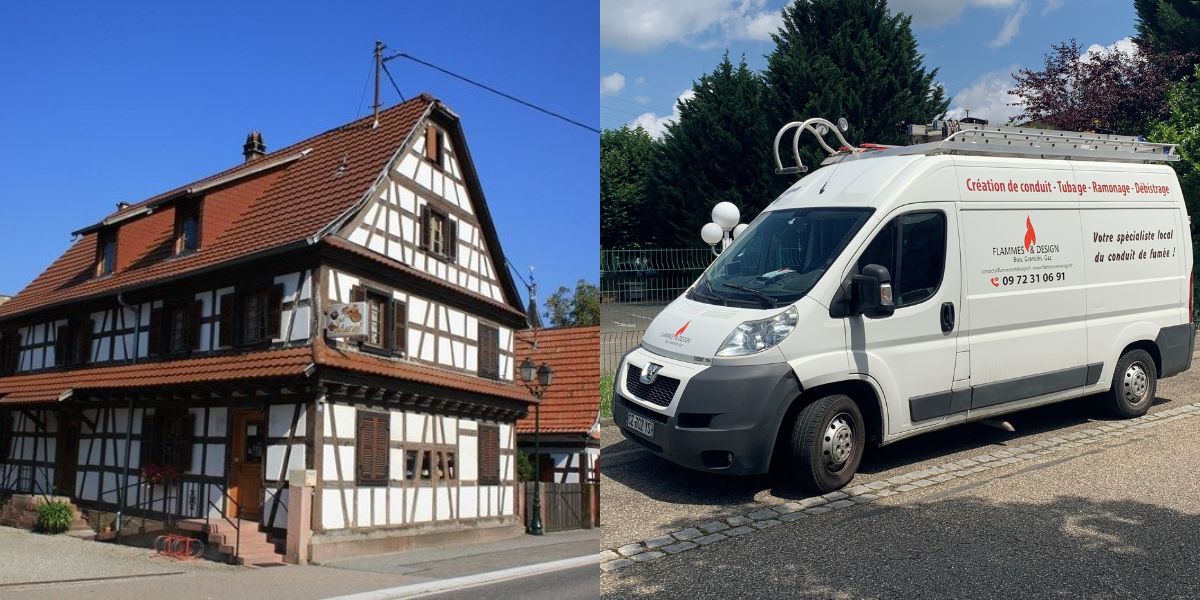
(581, 309)
(1106, 90)
(1182, 126)
(1165, 26)
(853, 59)
(718, 150)
(625, 156)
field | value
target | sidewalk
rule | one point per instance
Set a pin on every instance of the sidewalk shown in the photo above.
(180, 581)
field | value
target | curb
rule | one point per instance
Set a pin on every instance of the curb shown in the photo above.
(441, 586)
(772, 515)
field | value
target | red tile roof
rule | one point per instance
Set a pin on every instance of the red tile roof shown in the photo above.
(275, 210)
(572, 403)
(400, 369)
(53, 386)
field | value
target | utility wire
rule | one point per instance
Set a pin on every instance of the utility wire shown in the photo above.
(492, 90)
(394, 86)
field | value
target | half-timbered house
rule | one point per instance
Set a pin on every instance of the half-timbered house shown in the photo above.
(569, 444)
(173, 363)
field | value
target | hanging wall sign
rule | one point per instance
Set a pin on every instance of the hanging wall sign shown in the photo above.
(346, 320)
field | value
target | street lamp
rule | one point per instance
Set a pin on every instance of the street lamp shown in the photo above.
(724, 227)
(536, 380)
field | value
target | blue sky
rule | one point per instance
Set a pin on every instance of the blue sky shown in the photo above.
(652, 50)
(118, 101)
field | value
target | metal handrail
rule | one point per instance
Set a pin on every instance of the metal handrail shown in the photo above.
(237, 527)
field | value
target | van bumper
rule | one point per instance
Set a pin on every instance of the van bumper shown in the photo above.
(725, 420)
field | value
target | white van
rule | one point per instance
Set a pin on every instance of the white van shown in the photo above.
(907, 289)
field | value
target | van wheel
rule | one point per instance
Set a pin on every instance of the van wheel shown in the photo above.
(1134, 384)
(827, 443)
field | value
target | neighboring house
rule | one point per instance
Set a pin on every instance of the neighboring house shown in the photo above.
(186, 333)
(570, 442)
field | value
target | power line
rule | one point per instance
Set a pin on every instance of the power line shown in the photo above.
(492, 90)
(394, 86)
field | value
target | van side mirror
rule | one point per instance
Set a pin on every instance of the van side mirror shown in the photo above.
(871, 292)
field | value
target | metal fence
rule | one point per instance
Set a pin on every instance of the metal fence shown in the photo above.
(634, 286)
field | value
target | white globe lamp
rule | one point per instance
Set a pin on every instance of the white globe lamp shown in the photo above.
(711, 234)
(739, 229)
(726, 215)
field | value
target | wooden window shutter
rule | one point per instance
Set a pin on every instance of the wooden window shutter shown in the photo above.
(187, 431)
(62, 337)
(433, 144)
(6, 426)
(399, 326)
(451, 239)
(358, 294)
(10, 350)
(489, 455)
(274, 311)
(374, 441)
(154, 347)
(195, 316)
(227, 319)
(425, 217)
(81, 342)
(489, 352)
(151, 447)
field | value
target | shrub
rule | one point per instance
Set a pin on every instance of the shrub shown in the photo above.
(606, 396)
(524, 467)
(54, 517)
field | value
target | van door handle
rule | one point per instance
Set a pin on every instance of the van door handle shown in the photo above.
(947, 316)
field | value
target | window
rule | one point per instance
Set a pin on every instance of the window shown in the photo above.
(174, 328)
(187, 227)
(106, 252)
(434, 145)
(489, 455)
(374, 441)
(780, 257)
(10, 352)
(489, 352)
(439, 234)
(919, 240)
(167, 440)
(73, 343)
(387, 320)
(260, 314)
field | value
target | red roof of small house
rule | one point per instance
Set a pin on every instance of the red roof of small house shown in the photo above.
(376, 365)
(572, 402)
(58, 385)
(276, 202)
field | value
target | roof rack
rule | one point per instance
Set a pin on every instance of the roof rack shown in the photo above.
(980, 139)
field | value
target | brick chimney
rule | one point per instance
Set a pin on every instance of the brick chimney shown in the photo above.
(254, 146)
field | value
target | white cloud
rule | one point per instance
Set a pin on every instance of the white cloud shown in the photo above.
(932, 13)
(646, 25)
(1052, 5)
(641, 80)
(612, 84)
(1124, 45)
(656, 125)
(987, 98)
(1011, 27)
(642, 99)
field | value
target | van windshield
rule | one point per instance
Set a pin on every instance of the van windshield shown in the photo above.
(779, 257)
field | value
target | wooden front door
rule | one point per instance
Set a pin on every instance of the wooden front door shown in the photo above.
(246, 475)
(66, 455)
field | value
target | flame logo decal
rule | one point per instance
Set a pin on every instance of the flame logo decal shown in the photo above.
(682, 329)
(1030, 234)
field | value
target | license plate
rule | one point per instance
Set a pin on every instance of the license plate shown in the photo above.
(640, 424)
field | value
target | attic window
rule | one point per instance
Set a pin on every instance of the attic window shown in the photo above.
(187, 227)
(434, 146)
(439, 234)
(106, 252)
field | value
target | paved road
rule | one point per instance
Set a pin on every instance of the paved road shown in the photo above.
(1113, 515)
(581, 583)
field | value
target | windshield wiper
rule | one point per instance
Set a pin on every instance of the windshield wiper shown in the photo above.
(771, 301)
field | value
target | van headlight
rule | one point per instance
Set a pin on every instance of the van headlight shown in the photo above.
(756, 336)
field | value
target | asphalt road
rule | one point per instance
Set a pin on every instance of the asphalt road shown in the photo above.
(1113, 519)
(569, 584)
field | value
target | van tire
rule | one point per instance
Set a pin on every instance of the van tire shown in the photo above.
(827, 443)
(1134, 384)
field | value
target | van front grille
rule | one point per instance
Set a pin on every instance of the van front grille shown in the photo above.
(660, 393)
